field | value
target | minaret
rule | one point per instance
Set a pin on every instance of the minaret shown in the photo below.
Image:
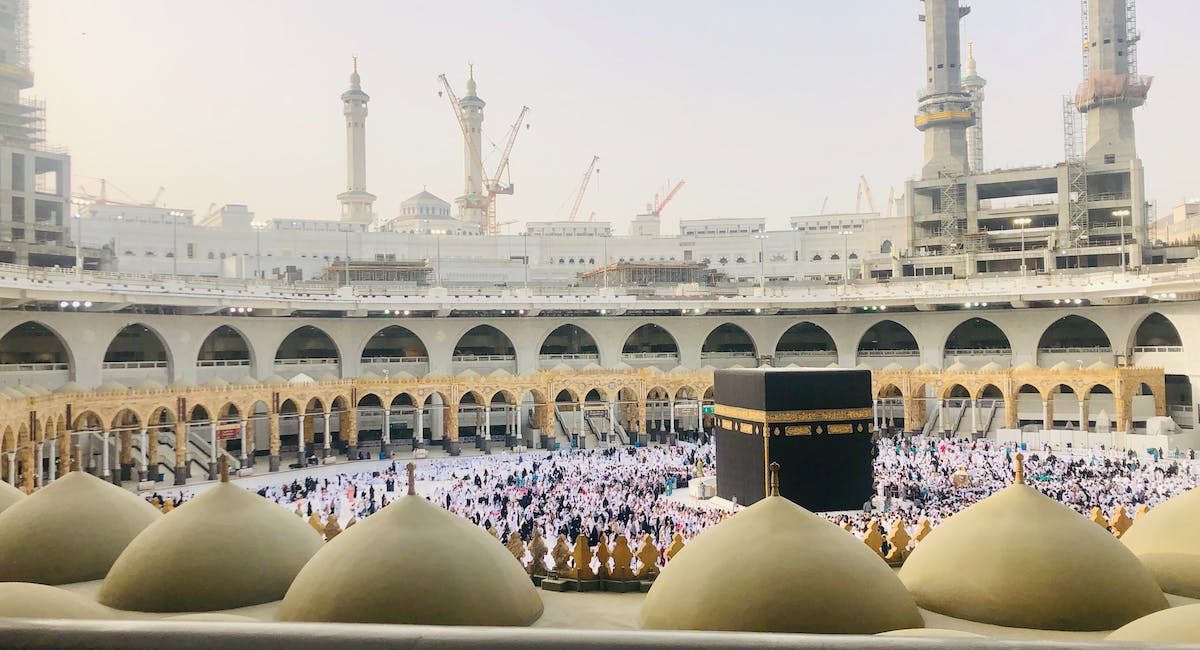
(973, 85)
(356, 201)
(470, 204)
(944, 111)
(1112, 88)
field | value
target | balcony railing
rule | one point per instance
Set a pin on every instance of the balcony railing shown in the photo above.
(313, 361)
(132, 365)
(1097, 350)
(223, 363)
(32, 367)
(569, 357)
(727, 355)
(395, 360)
(977, 352)
(475, 358)
(889, 353)
(649, 355)
(1158, 348)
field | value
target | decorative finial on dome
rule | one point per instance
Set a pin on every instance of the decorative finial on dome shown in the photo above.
(1019, 475)
(412, 477)
(774, 480)
(355, 59)
(470, 72)
(224, 463)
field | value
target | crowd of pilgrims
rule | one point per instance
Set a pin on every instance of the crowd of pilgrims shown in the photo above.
(627, 490)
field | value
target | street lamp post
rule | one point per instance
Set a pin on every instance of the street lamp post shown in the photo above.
(1121, 214)
(762, 260)
(1022, 222)
(845, 257)
(78, 243)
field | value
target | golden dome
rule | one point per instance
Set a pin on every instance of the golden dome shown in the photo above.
(413, 562)
(1163, 539)
(9, 495)
(70, 531)
(1021, 559)
(226, 548)
(28, 600)
(1176, 625)
(776, 567)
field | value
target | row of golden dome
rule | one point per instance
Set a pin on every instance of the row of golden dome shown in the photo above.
(1016, 559)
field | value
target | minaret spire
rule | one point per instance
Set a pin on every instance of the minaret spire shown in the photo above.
(944, 109)
(973, 84)
(356, 201)
(471, 203)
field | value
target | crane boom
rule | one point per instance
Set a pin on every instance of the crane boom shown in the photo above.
(462, 122)
(587, 176)
(494, 186)
(667, 199)
(864, 185)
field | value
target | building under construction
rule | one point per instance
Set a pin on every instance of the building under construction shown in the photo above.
(633, 274)
(1088, 210)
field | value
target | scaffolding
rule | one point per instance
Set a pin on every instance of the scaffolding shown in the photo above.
(1131, 35)
(951, 230)
(1077, 189)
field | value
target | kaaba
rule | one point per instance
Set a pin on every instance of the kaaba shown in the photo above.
(815, 423)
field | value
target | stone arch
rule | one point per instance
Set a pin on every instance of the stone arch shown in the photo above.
(729, 339)
(887, 336)
(1073, 332)
(34, 342)
(1155, 331)
(805, 338)
(956, 391)
(572, 397)
(976, 334)
(225, 345)
(88, 420)
(989, 391)
(124, 419)
(200, 413)
(138, 343)
(308, 343)
(889, 390)
(229, 411)
(650, 338)
(1099, 388)
(569, 341)
(371, 400)
(484, 341)
(393, 342)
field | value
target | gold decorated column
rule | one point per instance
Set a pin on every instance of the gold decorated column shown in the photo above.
(273, 432)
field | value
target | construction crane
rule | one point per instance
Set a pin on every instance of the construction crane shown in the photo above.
(863, 185)
(157, 195)
(655, 209)
(824, 204)
(491, 185)
(587, 176)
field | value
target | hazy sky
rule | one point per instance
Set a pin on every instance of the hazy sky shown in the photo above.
(765, 108)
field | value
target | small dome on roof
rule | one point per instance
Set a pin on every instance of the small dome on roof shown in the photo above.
(654, 370)
(1010, 568)
(39, 389)
(70, 387)
(1061, 365)
(301, 378)
(562, 367)
(9, 495)
(13, 393)
(621, 365)
(1099, 365)
(991, 366)
(274, 379)
(78, 523)
(925, 367)
(592, 367)
(1025, 365)
(500, 372)
(226, 548)
(832, 365)
(816, 578)
(958, 366)
(468, 373)
(679, 370)
(150, 385)
(28, 600)
(326, 375)
(246, 380)
(1177, 625)
(113, 386)
(893, 367)
(440, 569)
(216, 382)
(401, 374)
(29, 391)
(368, 374)
(1164, 540)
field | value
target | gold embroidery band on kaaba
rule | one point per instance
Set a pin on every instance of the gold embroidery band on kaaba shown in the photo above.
(794, 417)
